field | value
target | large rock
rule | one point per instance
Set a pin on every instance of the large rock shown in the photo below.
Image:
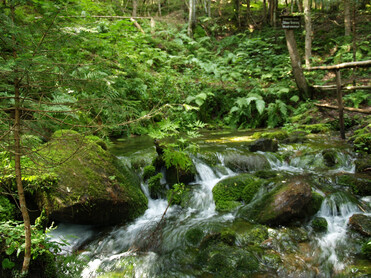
(246, 163)
(283, 204)
(264, 145)
(361, 223)
(93, 186)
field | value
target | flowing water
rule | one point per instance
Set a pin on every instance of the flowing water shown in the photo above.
(116, 251)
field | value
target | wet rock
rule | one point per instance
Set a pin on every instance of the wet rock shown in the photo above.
(360, 184)
(246, 163)
(361, 223)
(286, 204)
(93, 186)
(363, 164)
(156, 189)
(319, 224)
(264, 145)
(229, 192)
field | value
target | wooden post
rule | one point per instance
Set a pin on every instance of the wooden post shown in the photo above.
(340, 103)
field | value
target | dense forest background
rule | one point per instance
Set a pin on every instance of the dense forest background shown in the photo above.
(111, 69)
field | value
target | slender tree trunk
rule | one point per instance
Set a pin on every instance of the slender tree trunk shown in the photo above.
(308, 33)
(135, 8)
(18, 177)
(300, 6)
(300, 80)
(192, 17)
(237, 12)
(209, 8)
(347, 18)
(159, 7)
(17, 166)
(264, 11)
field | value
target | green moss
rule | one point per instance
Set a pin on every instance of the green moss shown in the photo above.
(279, 135)
(250, 190)
(88, 177)
(194, 236)
(256, 235)
(228, 193)
(228, 236)
(180, 194)
(64, 133)
(315, 204)
(148, 171)
(316, 128)
(156, 189)
(319, 224)
(362, 140)
(359, 184)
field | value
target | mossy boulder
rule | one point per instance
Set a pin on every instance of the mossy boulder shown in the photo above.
(264, 145)
(194, 236)
(93, 186)
(148, 172)
(246, 163)
(228, 193)
(361, 223)
(224, 260)
(319, 224)
(360, 184)
(278, 135)
(363, 164)
(329, 157)
(283, 204)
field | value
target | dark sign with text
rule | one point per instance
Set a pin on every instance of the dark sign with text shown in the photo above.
(290, 22)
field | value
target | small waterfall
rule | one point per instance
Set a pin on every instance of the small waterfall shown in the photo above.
(337, 210)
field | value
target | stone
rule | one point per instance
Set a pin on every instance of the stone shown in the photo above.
(246, 163)
(264, 145)
(286, 204)
(361, 223)
(93, 187)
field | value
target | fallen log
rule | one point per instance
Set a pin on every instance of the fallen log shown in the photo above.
(351, 109)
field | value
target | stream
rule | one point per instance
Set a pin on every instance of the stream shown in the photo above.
(294, 250)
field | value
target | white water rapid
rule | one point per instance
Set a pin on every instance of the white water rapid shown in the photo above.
(107, 253)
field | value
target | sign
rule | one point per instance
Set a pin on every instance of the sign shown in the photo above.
(290, 22)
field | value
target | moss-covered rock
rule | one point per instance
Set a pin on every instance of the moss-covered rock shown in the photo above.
(229, 193)
(246, 163)
(319, 224)
(363, 164)
(329, 157)
(284, 203)
(362, 140)
(360, 184)
(278, 135)
(194, 236)
(361, 223)
(264, 145)
(93, 187)
(314, 205)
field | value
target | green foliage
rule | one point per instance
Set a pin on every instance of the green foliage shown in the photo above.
(366, 250)
(7, 209)
(362, 139)
(179, 194)
(148, 172)
(156, 189)
(12, 234)
(178, 159)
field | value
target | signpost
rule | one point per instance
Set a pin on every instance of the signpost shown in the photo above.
(291, 22)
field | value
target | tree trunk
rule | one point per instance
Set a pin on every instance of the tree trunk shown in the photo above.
(159, 7)
(209, 8)
(300, 80)
(17, 166)
(264, 11)
(347, 18)
(308, 33)
(18, 177)
(135, 7)
(237, 12)
(192, 17)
